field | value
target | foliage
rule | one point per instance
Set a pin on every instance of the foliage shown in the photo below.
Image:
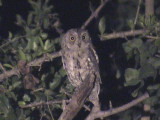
(31, 42)
(34, 39)
(142, 53)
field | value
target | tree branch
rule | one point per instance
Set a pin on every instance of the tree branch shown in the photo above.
(36, 62)
(94, 14)
(137, 13)
(78, 99)
(101, 114)
(121, 34)
(40, 103)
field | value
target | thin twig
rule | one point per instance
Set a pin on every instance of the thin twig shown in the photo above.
(10, 41)
(49, 109)
(101, 114)
(1, 66)
(36, 62)
(152, 37)
(94, 14)
(137, 13)
(36, 104)
(121, 34)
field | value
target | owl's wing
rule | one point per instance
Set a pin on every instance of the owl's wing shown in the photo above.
(94, 53)
(97, 63)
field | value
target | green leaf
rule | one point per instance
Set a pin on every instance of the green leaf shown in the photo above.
(118, 74)
(35, 46)
(4, 104)
(62, 72)
(10, 35)
(157, 43)
(16, 84)
(127, 47)
(152, 49)
(26, 98)
(12, 95)
(30, 17)
(56, 40)
(147, 70)
(11, 115)
(21, 103)
(20, 21)
(8, 65)
(155, 62)
(136, 43)
(0, 2)
(45, 23)
(47, 45)
(135, 92)
(130, 45)
(144, 54)
(153, 87)
(44, 35)
(56, 81)
(131, 77)
(48, 92)
(21, 54)
(41, 42)
(152, 100)
(58, 106)
(130, 24)
(102, 25)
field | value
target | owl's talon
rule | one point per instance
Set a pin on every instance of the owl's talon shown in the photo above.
(87, 108)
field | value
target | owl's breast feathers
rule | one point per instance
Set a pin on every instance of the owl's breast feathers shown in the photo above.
(78, 64)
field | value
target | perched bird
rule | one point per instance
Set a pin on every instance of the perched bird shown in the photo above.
(80, 59)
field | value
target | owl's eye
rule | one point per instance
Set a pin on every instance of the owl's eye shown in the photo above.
(72, 38)
(84, 36)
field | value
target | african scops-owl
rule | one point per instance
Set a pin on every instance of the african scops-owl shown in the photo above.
(79, 58)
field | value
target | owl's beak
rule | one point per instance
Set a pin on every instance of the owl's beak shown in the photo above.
(79, 45)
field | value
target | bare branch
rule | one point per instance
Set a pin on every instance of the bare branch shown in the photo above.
(137, 13)
(40, 103)
(47, 57)
(121, 34)
(36, 62)
(78, 99)
(101, 114)
(94, 14)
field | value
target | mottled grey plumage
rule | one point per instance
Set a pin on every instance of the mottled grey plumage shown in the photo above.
(80, 59)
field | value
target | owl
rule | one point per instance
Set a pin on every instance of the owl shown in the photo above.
(80, 59)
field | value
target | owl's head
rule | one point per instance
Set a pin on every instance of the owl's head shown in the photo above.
(76, 39)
